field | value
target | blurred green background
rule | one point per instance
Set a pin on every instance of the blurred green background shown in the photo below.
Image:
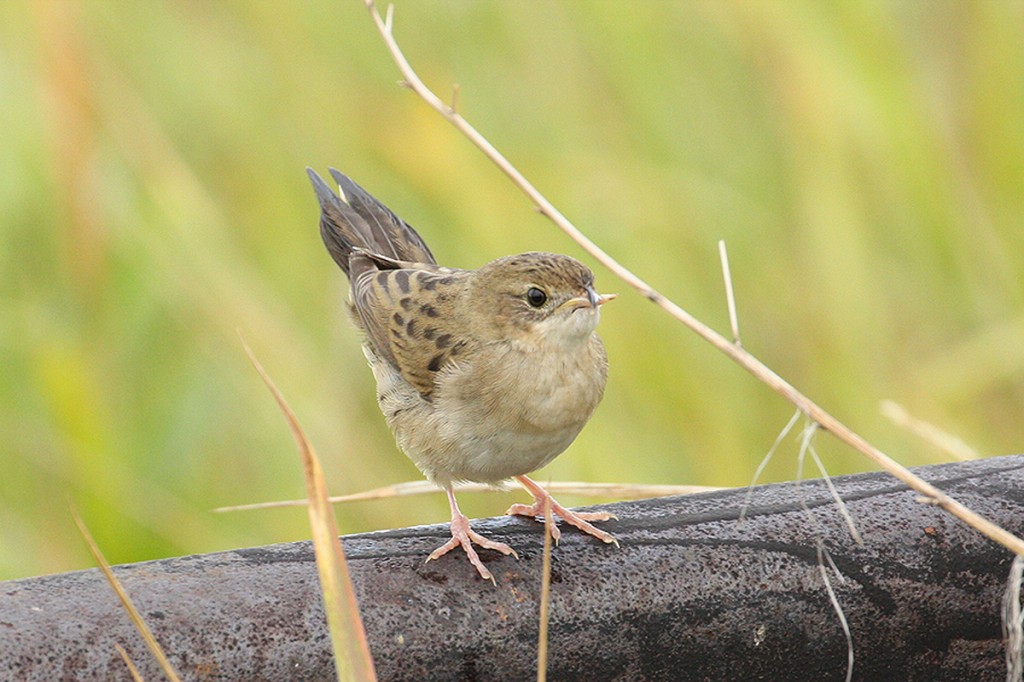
(864, 162)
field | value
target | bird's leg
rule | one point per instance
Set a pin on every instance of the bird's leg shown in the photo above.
(579, 519)
(463, 534)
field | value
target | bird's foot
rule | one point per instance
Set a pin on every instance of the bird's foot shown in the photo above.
(464, 535)
(544, 505)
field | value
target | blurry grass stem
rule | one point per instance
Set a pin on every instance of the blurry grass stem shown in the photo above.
(928, 432)
(732, 350)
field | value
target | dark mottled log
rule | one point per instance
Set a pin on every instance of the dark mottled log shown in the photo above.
(691, 594)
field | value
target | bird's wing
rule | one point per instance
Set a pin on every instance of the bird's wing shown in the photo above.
(406, 312)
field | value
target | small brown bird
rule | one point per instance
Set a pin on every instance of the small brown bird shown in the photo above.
(483, 375)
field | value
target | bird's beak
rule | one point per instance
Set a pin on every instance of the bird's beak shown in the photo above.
(597, 300)
(591, 299)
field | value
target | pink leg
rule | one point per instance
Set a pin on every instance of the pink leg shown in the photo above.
(578, 519)
(464, 535)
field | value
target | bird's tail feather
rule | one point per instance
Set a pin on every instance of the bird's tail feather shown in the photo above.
(358, 221)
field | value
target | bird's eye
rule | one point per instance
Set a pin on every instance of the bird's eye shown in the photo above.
(535, 297)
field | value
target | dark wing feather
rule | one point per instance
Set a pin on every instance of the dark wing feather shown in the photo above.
(358, 221)
(387, 235)
(339, 224)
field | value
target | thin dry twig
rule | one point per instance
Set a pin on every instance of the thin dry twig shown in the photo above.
(732, 350)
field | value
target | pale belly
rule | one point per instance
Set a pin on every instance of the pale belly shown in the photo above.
(492, 428)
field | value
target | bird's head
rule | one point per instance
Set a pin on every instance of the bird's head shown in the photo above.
(544, 296)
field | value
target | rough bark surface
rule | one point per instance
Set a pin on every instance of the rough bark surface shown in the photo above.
(690, 595)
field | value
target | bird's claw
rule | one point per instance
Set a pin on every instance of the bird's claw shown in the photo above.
(463, 535)
(580, 520)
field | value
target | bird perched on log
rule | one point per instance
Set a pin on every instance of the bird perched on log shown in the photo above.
(483, 375)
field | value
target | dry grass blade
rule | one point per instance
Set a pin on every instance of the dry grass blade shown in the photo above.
(133, 613)
(545, 596)
(618, 491)
(734, 351)
(348, 638)
(385, 492)
(132, 670)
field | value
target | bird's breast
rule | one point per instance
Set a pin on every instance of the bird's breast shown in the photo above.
(512, 409)
(501, 411)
